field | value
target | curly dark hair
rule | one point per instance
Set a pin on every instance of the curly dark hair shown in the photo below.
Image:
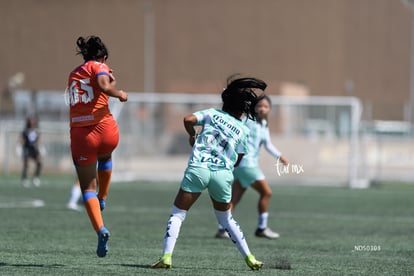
(239, 95)
(91, 48)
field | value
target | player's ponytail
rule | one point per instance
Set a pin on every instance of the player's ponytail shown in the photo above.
(239, 95)
(82, 49)
(91, 48)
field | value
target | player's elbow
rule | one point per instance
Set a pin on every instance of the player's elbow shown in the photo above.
(190, 120)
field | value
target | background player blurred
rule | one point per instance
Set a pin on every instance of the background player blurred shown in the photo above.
(30, 141)
(75, 196)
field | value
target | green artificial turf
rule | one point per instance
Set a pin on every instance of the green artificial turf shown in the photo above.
(324, 231)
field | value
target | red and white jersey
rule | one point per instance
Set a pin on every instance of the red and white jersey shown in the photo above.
(88, 103)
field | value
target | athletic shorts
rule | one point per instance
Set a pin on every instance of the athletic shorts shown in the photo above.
(89, 142)
(218, 183)
(31, 152)
(247, 176)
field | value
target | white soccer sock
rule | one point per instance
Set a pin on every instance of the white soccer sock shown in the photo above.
(173, 229)
(75, 194)
(262, 223)
(232, 227)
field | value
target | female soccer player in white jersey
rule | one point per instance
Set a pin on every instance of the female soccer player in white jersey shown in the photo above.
(217, 149)
(248, 172)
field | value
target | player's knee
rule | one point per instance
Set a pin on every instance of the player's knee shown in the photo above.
(267, 193)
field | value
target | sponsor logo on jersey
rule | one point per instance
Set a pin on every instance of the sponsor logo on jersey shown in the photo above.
(83, 158)
(219, 119)
(213, 160)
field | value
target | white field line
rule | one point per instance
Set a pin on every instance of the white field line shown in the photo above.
(22, 203)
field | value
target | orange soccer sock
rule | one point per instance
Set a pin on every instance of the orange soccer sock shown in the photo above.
(104, 178)
(94, 211)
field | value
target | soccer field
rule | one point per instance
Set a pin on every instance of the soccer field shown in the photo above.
(324, 231)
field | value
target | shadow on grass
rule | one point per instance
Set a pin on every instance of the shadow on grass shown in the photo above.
(135, 265)
(174, 267)
(281, 265)
(31, 265)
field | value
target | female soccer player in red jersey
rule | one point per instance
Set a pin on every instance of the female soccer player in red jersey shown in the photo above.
(93, 131)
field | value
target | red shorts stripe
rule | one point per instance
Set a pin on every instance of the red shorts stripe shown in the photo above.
(89, 142)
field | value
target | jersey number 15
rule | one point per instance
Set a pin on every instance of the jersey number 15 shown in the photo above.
(80, 92)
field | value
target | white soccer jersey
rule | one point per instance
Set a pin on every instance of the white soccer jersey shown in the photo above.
(220, 140)
(259, 135)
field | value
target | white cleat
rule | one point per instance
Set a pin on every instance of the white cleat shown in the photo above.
(222, 234)
(74, 207)
(266, 233)
(36, 182)
(25, 183)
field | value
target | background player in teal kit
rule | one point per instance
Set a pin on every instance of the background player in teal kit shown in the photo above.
(218, 147)
(248, 173)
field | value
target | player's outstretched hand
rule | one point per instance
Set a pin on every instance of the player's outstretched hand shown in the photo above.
(284, 160)
(123, 97)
